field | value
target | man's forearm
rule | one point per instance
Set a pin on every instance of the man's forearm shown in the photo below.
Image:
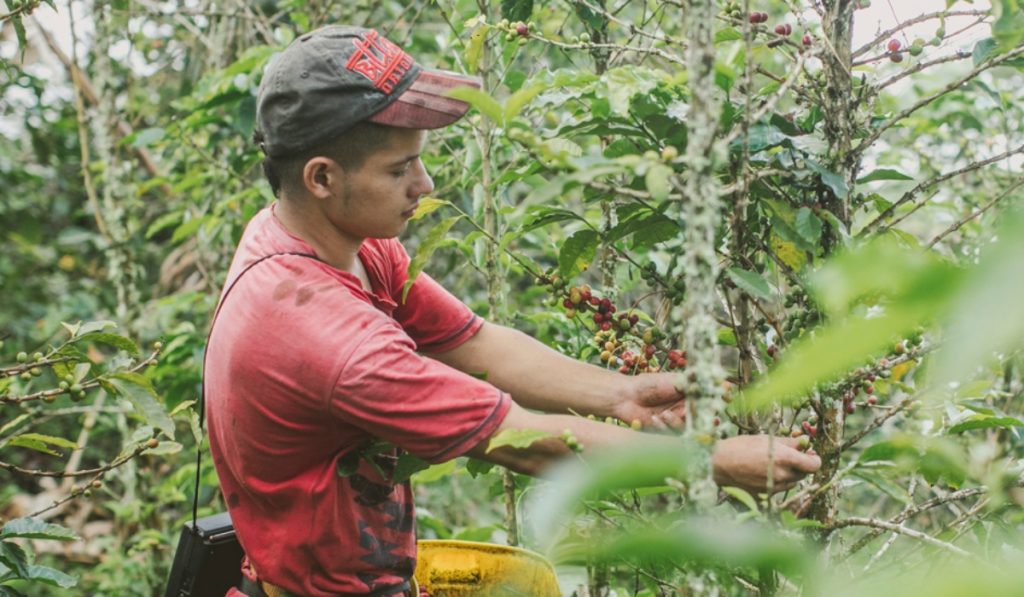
(536, 376)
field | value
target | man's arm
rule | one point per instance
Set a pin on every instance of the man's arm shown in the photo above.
(738, 461)
(541, 378)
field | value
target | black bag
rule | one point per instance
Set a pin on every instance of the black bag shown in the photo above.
(208, 561)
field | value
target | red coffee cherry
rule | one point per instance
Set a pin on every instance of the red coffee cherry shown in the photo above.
(894, 45)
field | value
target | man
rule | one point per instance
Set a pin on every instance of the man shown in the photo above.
(319, 375)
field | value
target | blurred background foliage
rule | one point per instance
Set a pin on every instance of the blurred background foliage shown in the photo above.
(866, 240)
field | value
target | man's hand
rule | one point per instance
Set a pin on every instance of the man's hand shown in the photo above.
(742, 462)
(654, 401)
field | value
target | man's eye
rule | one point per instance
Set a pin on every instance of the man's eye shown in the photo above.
(400, 173)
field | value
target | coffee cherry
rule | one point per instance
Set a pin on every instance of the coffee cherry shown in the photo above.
(804, 444)
(915, 50)
(897, 57)
(669, 153)
(807, 41)
(783, 29)
(522, 29)
(25, 376)
(894, 45)
(636, 425)
(872, 400)
(606, 326)
(570, 313)
(606, 355)
(585, 37)
(152, 443)
(22, 357)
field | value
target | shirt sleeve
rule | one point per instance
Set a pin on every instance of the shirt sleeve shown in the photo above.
(433, 318)
(419, 404)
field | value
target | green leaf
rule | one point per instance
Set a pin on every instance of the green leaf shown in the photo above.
(577, 253)
(518, 100)
(917, 285)
(49, 440)
(428, 245)
(165, 221)
(657, 181)
(883, 174)
(476, 467)
(407, 466)
(427, 206)
(33, 528)
(745, 498)
(137, 390)
(830, 179)
(147, 137)
(50, 576)
(727, 34)
(750, 282)
(164, 448)
(986, 315)
(436, 472)
(14, 557)
(761, 137)
(516, 438)
(807, 225)
(13, 423)
(980, 421)
(516, 10)
(118, 342)
(983, 50)
(96, 326)
(475, 47)
(480, 100)
(1008, 27)
(542, 215)
(187, 229)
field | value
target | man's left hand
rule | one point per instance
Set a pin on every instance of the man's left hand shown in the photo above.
(654, 401)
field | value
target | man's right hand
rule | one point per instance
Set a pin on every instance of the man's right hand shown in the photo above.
(742, 462)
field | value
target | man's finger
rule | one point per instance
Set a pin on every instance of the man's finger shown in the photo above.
(800, 461)
(672, 419)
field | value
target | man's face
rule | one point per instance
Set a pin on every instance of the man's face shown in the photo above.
(377, 200)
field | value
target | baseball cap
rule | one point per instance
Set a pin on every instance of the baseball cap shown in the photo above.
(329, 79)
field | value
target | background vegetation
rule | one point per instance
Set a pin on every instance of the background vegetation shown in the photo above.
(819, 233)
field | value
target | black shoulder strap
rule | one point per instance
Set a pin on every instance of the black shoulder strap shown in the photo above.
(202, 395)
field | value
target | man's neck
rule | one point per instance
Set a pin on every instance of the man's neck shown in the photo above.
(310, 225)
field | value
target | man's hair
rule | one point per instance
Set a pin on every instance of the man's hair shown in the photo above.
(349, 150)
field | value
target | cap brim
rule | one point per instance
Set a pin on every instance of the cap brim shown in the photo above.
(425, 104)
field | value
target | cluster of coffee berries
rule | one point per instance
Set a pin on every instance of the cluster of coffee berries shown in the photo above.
(620, 339)
(758, 17)
(783, 29)
(675, 290)
(517, 30)
(638, 353)
(31, 366)
(570, 440)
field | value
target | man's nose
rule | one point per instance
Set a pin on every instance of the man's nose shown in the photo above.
(424, 184)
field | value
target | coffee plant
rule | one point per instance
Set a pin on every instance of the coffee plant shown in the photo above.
(807, 211)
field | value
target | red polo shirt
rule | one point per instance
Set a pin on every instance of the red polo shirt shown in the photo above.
(305, 372)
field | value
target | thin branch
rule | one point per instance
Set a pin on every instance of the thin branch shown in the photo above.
(22, 11)
(902, 530)
(920, 66)
(876, 423)
(990, 63)
(911, 512)
(909, 22)
(909, 195)
(139, 449)
(978, 212)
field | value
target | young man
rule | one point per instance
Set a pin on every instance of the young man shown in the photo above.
(318, 373)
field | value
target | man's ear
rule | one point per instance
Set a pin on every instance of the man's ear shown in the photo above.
(321, 177)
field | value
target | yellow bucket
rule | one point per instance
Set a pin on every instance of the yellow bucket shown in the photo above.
(465, 568)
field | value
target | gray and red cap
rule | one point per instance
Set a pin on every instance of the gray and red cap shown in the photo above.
(327, 80)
